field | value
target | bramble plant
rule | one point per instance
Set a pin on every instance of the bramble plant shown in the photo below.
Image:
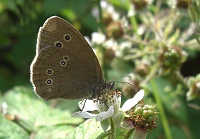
(146, 43)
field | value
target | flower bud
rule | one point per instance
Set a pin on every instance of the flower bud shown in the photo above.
(107, 18)
(114, 30)
(139, 4)
(145, 113)
(138, 110)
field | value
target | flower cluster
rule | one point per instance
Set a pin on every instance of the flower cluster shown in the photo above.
(108, 106)
(143, 117)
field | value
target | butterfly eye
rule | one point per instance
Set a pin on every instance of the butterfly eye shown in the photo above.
(58, 44)
(66, 58)
(63, 63)
(49, 71)
(67, 37)
(49, 81)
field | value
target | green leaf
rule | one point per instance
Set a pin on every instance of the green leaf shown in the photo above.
(171, 101)
(54, 132)
(36, 116)
(90, 129)
(10, 130)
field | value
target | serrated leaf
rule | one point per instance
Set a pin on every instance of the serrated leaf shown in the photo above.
(35, 115)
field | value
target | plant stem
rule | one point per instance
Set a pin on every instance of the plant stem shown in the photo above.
(128, 134)
(161, 110)
(181, 79)
(112, 130)
(101, 17)
(135, 28)
(104, 64)
(153, 72)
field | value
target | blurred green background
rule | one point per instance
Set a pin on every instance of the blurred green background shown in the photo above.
(19, 24)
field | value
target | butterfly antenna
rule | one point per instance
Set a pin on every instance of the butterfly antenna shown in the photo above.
(124, 82)
(127, 76)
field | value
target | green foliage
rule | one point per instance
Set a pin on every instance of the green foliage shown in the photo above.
(11, 130)
(33, 116)
(90, 129)
(158, 43)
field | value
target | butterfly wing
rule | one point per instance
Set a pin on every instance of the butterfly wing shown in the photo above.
(65, 65)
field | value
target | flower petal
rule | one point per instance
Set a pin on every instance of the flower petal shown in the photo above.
(83, 114)
(106, 114)
(133, 101)
(87, 105)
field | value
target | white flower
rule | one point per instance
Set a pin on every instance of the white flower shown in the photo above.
(98, 38)
(108, 8)
(107, 106)
(141, 29)
(131, 11)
